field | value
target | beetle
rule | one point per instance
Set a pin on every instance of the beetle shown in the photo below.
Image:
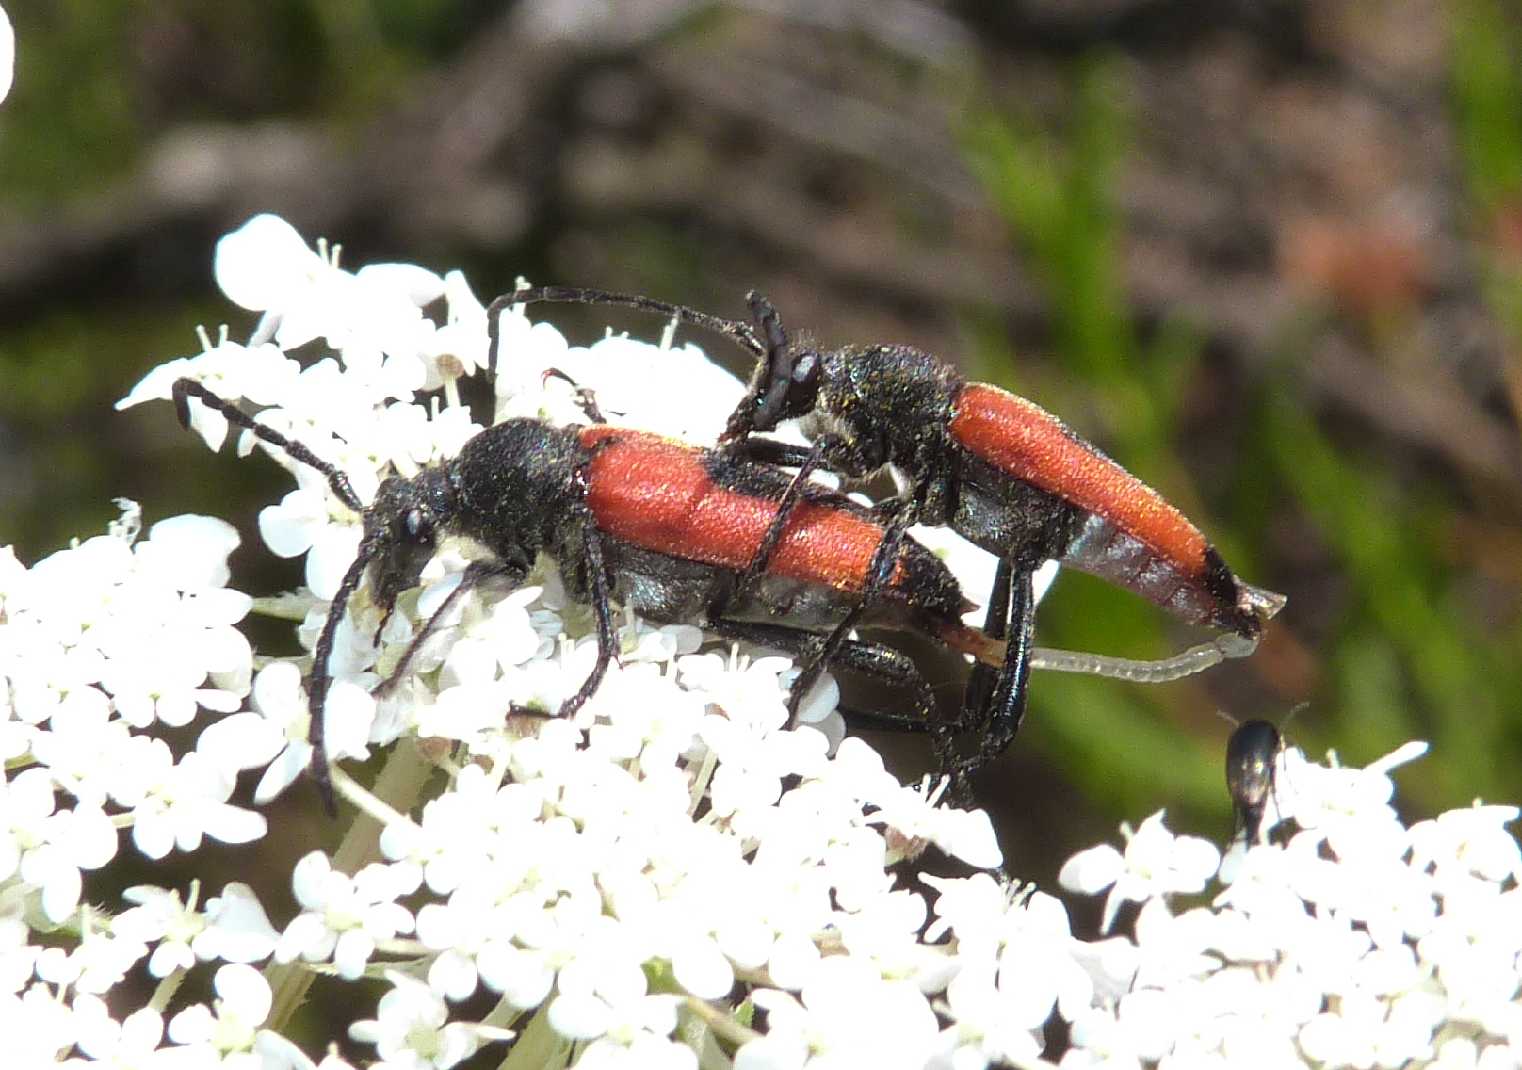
(667, 529)
(1253, 770)
(1252, 754)
(996, 468)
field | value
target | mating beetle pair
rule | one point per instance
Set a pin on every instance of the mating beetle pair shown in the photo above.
(721, 536)
(996, 468)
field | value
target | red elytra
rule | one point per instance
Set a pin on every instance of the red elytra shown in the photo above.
(658, 494)
(1022, 439)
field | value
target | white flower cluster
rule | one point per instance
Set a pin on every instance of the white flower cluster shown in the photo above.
(100, 643)
(673, 878)
(1356, 942)
(101, 646)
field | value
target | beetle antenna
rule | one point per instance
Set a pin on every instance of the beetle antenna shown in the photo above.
(184, 389)
(735, 330)
(322, 677)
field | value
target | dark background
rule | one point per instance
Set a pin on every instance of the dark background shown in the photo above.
(1267, 254)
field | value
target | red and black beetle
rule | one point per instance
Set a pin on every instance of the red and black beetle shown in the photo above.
(998, 469)
(666, 529)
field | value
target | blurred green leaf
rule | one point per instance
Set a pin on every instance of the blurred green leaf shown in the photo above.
(1487, 96)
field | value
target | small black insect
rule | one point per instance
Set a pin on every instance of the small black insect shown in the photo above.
(1252, 755)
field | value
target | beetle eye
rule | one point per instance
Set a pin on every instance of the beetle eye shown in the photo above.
(803, 385)
(417, 524)
(806, 369)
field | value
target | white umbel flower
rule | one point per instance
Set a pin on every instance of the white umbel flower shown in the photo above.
(622, 883)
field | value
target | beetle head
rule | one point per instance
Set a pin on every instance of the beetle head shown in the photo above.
(402, 530)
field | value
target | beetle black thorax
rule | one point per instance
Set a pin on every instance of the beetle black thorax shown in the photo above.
(518, 486)
(886, 400)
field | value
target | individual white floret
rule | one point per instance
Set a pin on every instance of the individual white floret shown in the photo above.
(972, 908)
(133, 1042)
(373, 316)
(84, 746)
(161, 918)
(229, 1032)
(458, 347)
(984, 1028)
(303, 524)
(274, 731)
(1156, 862)
(260, 373)
(884, 932)
(636, 1049)
(1038, 952)
(915, 814)
(274, 734)
(604, 990)
(1473, 841)
(411, 1028)
(232, 927)
(847, 1015)
(157, 682)
(1172, 948)
(38, 1026)
(97, 964)
(189, 553)
(177, 804)
(343, 918)
(47, 847)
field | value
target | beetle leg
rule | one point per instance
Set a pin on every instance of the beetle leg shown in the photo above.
(870, 659)
(586, 397)
(1006, 706)
(607, 635)
(785, 505)
(770, 451)
(935, 491)
(807, 461)
(979, 691)
(879, 573)
(476, 573)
